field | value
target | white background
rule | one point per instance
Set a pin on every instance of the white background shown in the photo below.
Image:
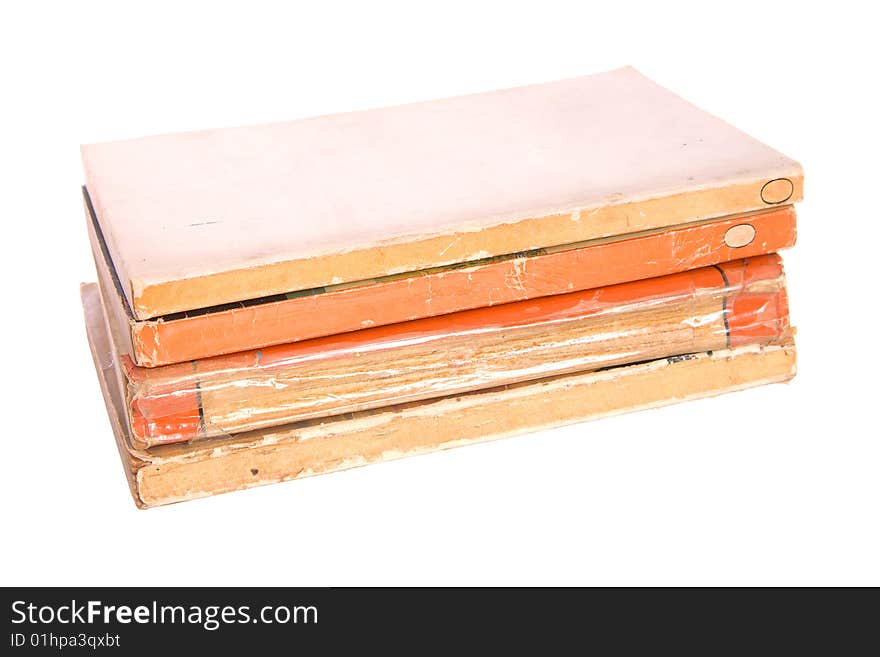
(777, 485)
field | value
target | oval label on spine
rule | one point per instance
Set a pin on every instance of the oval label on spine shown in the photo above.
(777, 191)
(739, 236)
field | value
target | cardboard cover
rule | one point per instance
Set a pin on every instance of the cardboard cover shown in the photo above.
(201, 219)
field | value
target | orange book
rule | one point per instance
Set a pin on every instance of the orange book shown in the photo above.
(723, 306)
(283, 319)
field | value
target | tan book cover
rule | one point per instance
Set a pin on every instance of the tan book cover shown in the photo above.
(175, 473)
(200, 219)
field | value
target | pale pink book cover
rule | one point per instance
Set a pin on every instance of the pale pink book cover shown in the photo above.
(253, 201)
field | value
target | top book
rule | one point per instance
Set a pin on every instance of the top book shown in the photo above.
(201, 219)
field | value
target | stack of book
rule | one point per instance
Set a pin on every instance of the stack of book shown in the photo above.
(289, 299)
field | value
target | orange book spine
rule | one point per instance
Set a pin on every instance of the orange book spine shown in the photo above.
(168, 341)
(716, 307)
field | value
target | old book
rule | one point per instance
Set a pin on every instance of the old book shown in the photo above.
(504, 279)
(202, 219)
(704, 309)
(174, 473)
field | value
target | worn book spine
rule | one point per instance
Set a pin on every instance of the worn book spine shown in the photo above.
(346, 308)
(175, 473)
(702, 310)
